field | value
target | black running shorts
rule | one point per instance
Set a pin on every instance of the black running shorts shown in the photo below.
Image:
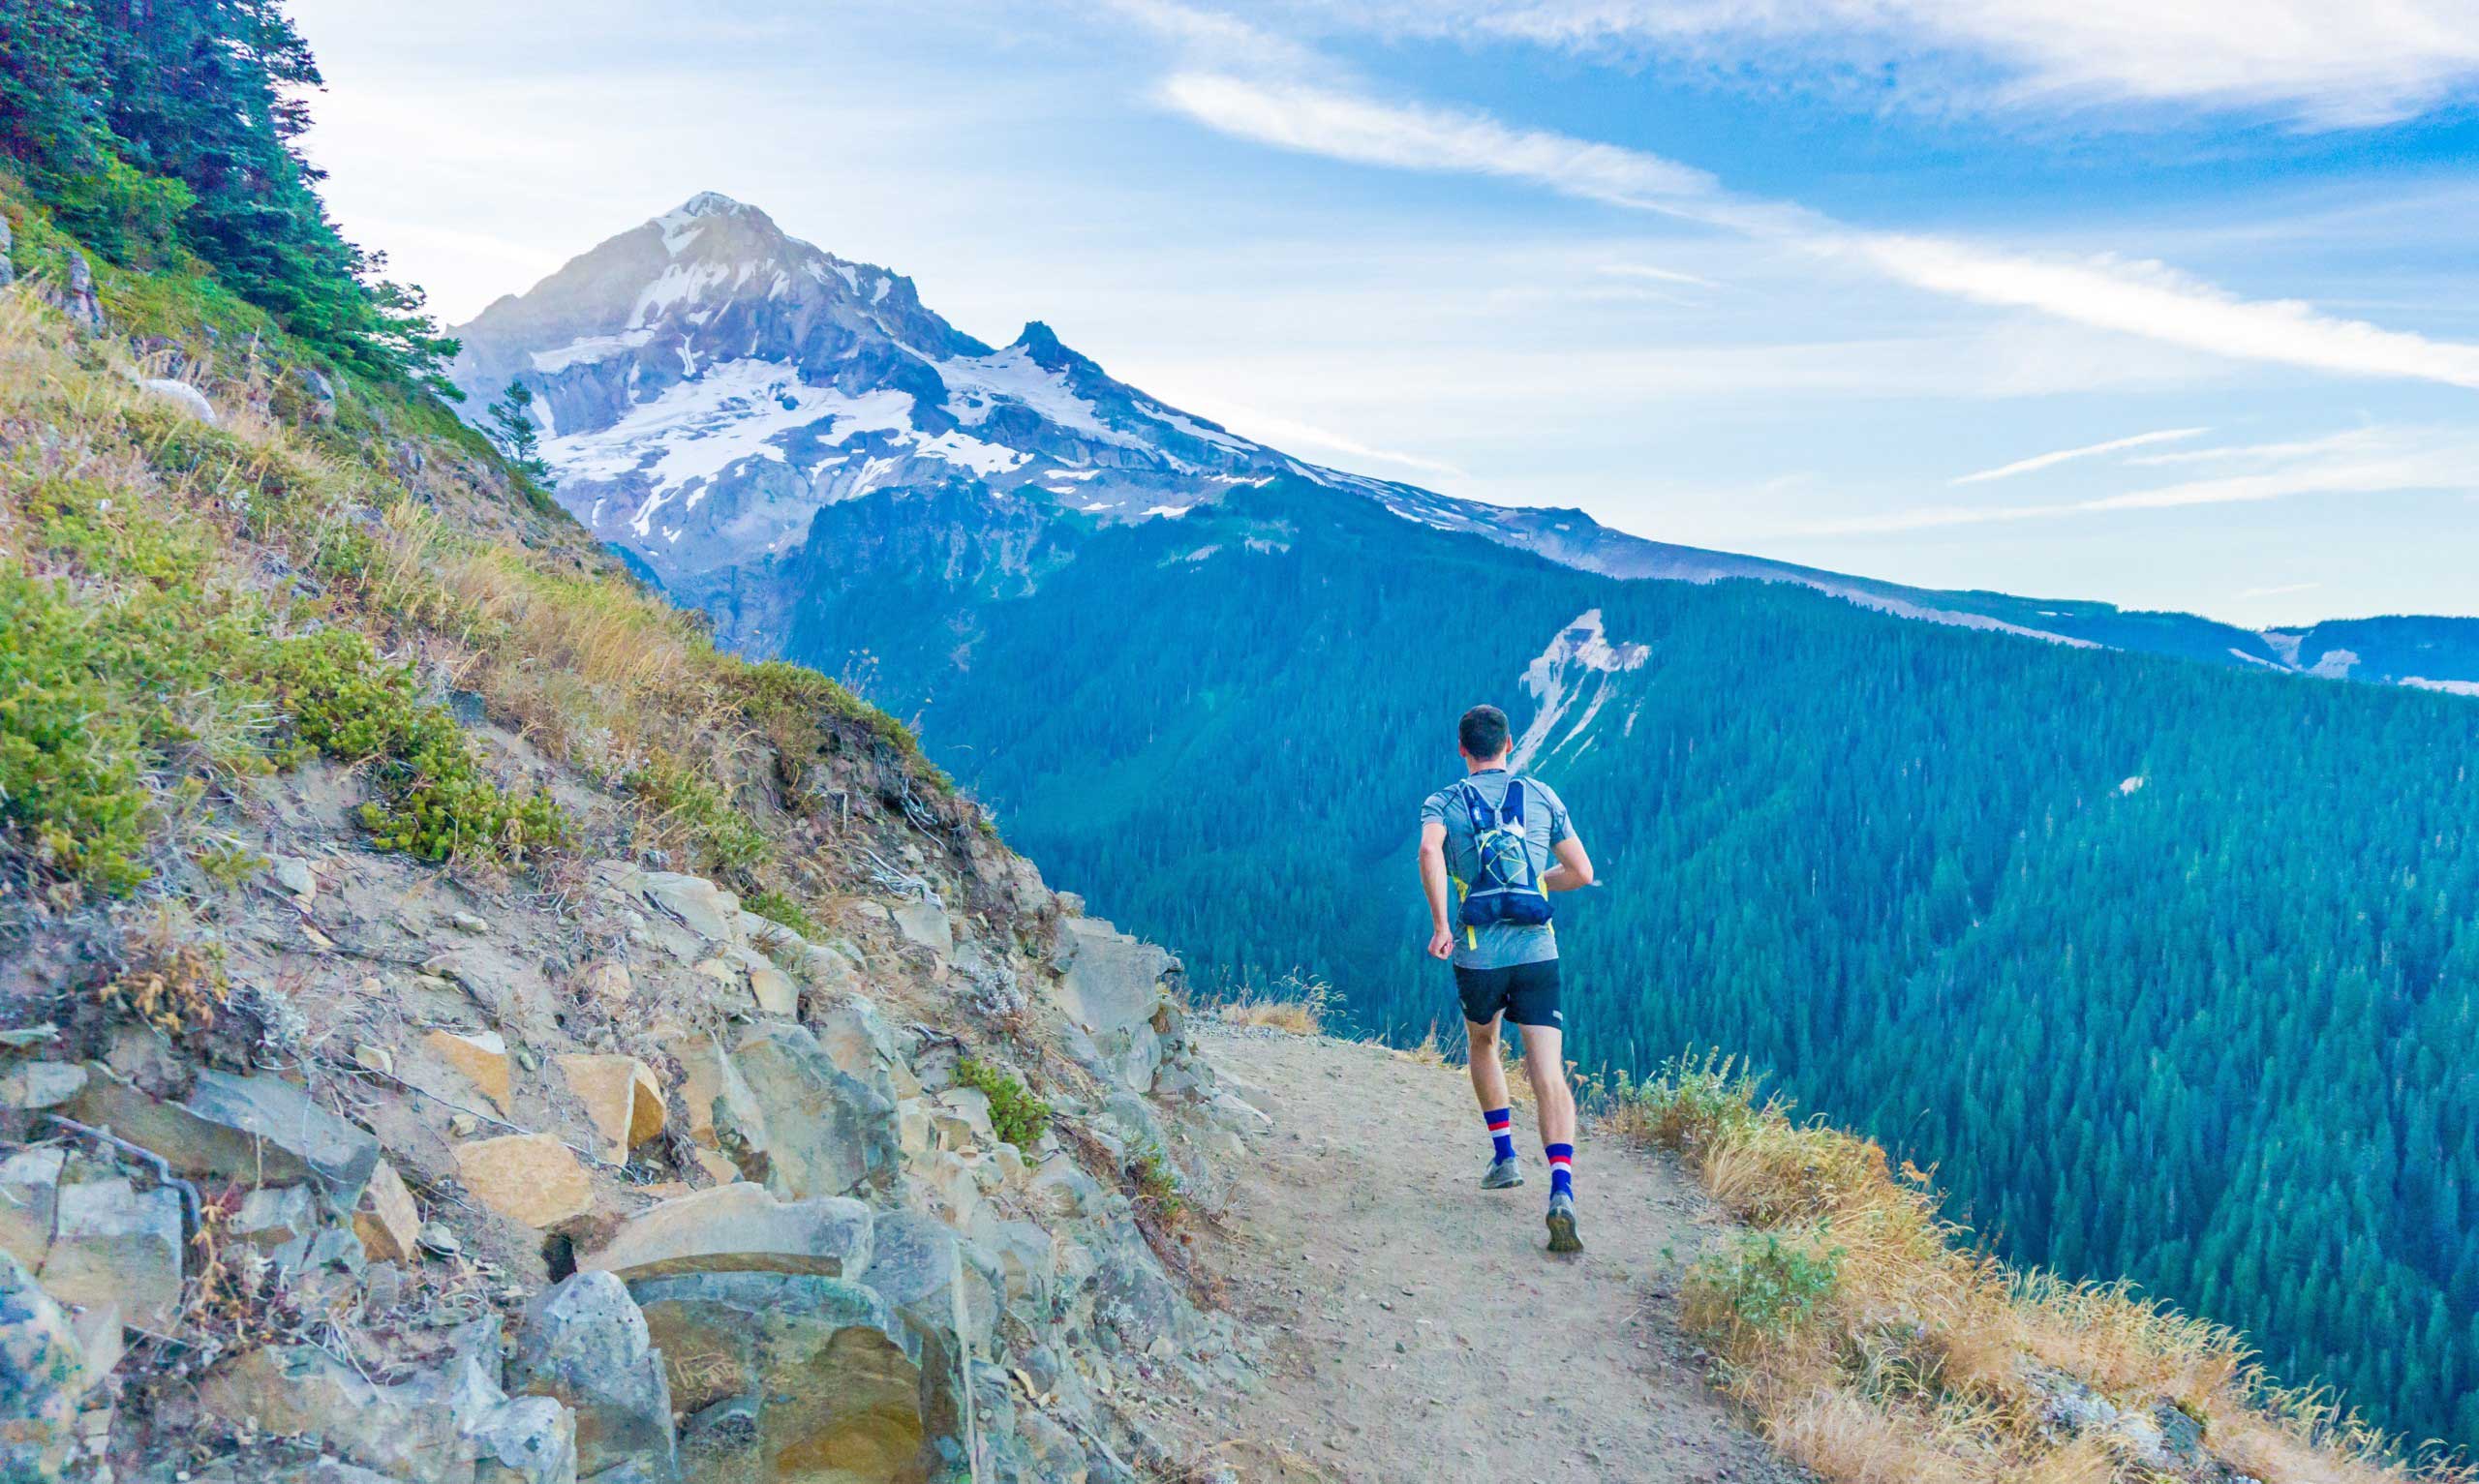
(1528, 993)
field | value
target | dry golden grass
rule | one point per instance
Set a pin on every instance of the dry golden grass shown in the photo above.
(450, 568)
(1876, 1346)
(1298, 1008)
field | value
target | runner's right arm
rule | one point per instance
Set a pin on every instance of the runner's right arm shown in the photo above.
(1433, 884)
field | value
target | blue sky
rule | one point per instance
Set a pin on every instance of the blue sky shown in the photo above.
(2065, 298)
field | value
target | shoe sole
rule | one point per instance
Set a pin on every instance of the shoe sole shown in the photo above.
(1488, 1184)
(1562, 1232)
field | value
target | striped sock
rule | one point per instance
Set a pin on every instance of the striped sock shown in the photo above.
(1501, 1133)
(1562, 1169)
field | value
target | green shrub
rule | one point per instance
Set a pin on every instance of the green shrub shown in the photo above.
(1157, 1182)
(72, 777)
(1018, 1118)
(686, 798)
(778, 907)
(1763, 1283)
(228, 863)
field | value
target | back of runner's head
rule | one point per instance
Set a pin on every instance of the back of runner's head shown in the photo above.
(1483, 734)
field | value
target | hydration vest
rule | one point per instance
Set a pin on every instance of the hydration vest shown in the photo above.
(1506, 880)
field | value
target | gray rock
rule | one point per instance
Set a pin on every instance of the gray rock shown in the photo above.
(408, 1432)
(326, 1470)
(447, 1426)
(8, 270)
(273, 1215)
(1132, 1119)
(30, 1202)
(826, 1133)
(524, 1441)
(584, 1344)
(705, 908)
(180, 394)
(41, 1372)
(740, 1227)
(323, 393)
(803, 1369)
(864, 1045)
(914, 1268)
(923, 922)
(1111, 980)
(32, 1085)
(1134, 1297)
(79, 299)
(113, 1243)
(256, 1129)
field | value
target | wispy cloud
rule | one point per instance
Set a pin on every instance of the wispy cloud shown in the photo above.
(2283, 589)
(2128, 296)
(2445, 465)
(1658, 275)
(1287, 432)
(1343, 126)
(2160, 303)
(2289, 448)
(2041, 461)
(2317, 63)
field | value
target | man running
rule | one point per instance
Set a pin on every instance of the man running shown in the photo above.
(1490, 836)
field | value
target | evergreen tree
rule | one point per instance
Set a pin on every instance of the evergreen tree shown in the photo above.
(513, 429)
(153, 123)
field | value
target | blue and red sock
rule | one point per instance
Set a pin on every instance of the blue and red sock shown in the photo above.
(1562, 1169)
(1501, 1123)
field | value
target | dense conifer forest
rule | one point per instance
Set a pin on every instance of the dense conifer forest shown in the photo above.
(2170, 971)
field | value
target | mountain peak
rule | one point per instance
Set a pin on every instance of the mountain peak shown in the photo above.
(709, 203)
(1042, 346)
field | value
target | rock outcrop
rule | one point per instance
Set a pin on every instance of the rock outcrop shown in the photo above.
(457, 1224)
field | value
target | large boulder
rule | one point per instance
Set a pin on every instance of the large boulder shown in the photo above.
(252, 1130)
(825, 1131)
(788, 1377)
(584, 1344)
(448, 1426)
(740, 1227)
(1109, 981)
(113, 1243)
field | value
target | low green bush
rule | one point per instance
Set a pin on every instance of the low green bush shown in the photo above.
(1015, 1115)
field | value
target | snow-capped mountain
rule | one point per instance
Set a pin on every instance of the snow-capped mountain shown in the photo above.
(706, 385)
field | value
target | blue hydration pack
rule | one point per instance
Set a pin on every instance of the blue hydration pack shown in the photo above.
(1505, 882)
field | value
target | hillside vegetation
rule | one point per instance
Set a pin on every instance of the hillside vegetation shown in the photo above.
(2167, 970)
(458, 1028)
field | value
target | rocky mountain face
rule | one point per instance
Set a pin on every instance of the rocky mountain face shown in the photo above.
(707, 384)
(545, 1048)
(699, 1202)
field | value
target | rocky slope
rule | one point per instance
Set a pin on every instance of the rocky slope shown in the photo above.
(707, 384)
(410, 1092)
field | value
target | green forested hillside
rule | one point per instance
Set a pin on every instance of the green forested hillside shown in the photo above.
(2213, 1031)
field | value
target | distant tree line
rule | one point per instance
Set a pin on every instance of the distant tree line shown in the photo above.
(2216, 1031)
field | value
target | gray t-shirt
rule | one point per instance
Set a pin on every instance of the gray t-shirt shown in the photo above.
(1500, 945)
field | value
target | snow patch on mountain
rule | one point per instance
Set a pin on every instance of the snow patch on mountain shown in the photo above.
(1574, 677)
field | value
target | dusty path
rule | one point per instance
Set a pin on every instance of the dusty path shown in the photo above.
(1426, 1334)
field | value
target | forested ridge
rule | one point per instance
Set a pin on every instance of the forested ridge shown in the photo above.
(2171, 971)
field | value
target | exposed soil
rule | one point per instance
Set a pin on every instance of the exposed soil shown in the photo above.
(1426, 1334)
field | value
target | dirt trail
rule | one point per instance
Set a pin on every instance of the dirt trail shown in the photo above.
(1428, 1336)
